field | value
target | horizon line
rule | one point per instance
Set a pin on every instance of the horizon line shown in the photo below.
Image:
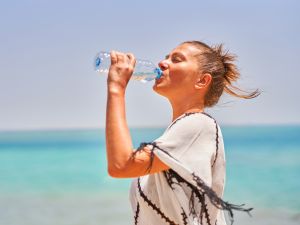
(53, 129)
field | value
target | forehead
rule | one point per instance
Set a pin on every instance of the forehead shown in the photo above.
(186, 49)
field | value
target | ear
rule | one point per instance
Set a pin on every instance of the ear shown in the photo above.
(203, 81)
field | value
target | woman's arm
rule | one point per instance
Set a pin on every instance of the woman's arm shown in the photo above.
(119, 147)
(118, 140)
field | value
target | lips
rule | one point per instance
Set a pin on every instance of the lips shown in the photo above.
(162, 75)
(157, 81)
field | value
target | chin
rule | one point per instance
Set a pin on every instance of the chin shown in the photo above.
(159, 90)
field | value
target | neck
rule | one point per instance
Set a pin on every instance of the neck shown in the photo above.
(181, 106)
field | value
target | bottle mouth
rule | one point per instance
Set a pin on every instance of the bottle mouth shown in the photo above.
(158, 71)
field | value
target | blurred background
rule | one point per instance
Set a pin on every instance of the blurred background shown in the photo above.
(52, 104)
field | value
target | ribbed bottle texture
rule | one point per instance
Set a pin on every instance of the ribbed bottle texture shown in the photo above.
(144, 70)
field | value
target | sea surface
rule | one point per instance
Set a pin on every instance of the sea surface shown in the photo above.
(60, 177)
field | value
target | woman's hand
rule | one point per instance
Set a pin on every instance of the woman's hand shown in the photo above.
(120, 71)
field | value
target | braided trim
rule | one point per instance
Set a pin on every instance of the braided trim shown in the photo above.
(217, 138)
(183, 116)
(153, 206)
(137, 213)
(184, 217)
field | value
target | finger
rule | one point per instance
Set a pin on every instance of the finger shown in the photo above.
(113, 57)
(120, 56)
(132, 59)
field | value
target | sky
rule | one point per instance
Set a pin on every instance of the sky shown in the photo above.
(47, 49)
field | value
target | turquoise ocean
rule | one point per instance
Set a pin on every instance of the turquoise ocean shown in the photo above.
(60, 177)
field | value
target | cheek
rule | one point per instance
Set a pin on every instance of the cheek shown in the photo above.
(179, 80)
(174, 78)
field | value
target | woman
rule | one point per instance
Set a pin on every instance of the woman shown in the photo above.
(179, 177)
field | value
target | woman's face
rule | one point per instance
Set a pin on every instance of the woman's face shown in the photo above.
(180, 70)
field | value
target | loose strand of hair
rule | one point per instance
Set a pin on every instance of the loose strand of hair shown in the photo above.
(233, 91)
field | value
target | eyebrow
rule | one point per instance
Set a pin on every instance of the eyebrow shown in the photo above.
(176, 54)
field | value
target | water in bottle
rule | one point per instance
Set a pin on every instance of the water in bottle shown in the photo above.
(144, 70)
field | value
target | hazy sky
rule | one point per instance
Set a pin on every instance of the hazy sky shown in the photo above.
(48, 46)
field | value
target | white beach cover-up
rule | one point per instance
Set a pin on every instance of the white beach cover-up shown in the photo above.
(190, 192)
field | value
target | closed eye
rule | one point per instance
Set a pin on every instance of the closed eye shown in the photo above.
(176, 59)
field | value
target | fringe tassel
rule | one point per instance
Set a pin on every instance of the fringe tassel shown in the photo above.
(217, 201)
(200, 191)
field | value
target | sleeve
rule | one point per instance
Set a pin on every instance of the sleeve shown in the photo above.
(188, 147)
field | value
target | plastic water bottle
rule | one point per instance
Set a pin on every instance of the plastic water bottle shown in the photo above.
(144, 70)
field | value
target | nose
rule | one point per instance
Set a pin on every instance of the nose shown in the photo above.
(163, 65)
